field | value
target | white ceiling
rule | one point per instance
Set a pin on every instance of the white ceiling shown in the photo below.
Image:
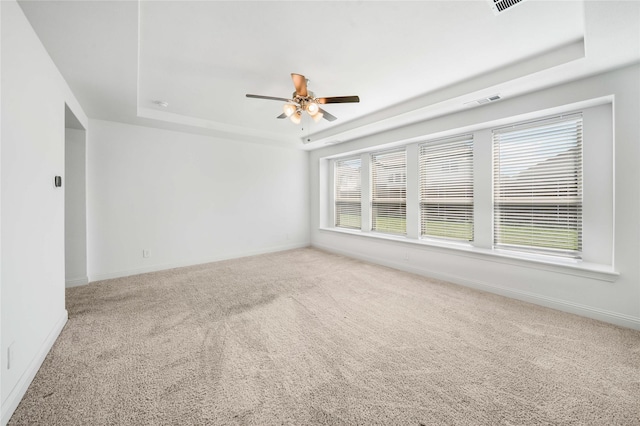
(407, 61)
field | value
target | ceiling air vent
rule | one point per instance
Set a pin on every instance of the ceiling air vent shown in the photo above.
(483, 101)
(499, 6)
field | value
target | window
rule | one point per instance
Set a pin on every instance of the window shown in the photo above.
(446, 188)
(389, 192)
(541, 187)
(347, 195)
(538, 186)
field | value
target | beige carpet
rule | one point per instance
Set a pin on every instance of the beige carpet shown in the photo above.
(304, 337)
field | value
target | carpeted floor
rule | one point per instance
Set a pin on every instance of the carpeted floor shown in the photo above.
(305, 337)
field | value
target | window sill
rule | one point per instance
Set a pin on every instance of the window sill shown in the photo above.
(547, 263)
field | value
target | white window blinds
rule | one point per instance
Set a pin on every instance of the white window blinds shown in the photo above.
(347, 193)
(538, 186)
(389, 192)
(446, 188)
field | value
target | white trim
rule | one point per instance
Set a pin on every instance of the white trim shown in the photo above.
(545, 263)
(15, 396)
(447, 131)
(76, 282)
(596, 263)
(192, 262)
(549, 302)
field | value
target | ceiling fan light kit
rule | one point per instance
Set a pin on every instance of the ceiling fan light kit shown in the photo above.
(296, 117)
(317, 117)
(313, 108)
(289, 109)
(305, 100)
(294, 112)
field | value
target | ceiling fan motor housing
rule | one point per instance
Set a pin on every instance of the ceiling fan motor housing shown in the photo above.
(303, 101)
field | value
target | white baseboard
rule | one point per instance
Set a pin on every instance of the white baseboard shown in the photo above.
(15, 396)
(76, 282)
(182, 263)
(549, 302)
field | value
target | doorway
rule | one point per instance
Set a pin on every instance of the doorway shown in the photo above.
(75, 201)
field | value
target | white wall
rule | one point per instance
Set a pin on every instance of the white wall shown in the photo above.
(75, 208)
(2, 419)
(583, 293)
(32, 241)
(188, 199)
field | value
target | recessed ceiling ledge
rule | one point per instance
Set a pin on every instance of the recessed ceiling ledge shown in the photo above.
(451, 98)
(215, 128)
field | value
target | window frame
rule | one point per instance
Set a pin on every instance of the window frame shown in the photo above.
(337, 199)
(598, 201)
(391, 203)
(455, 192)
(536, 217)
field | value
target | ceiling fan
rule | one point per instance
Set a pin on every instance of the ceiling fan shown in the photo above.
(305, 100)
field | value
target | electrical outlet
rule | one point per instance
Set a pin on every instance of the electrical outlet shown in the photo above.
(145, 253)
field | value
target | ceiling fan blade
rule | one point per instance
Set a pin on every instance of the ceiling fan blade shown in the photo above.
(283, 115)
(338, 100)
(273, 98)
(327, 116)
(300, 83)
